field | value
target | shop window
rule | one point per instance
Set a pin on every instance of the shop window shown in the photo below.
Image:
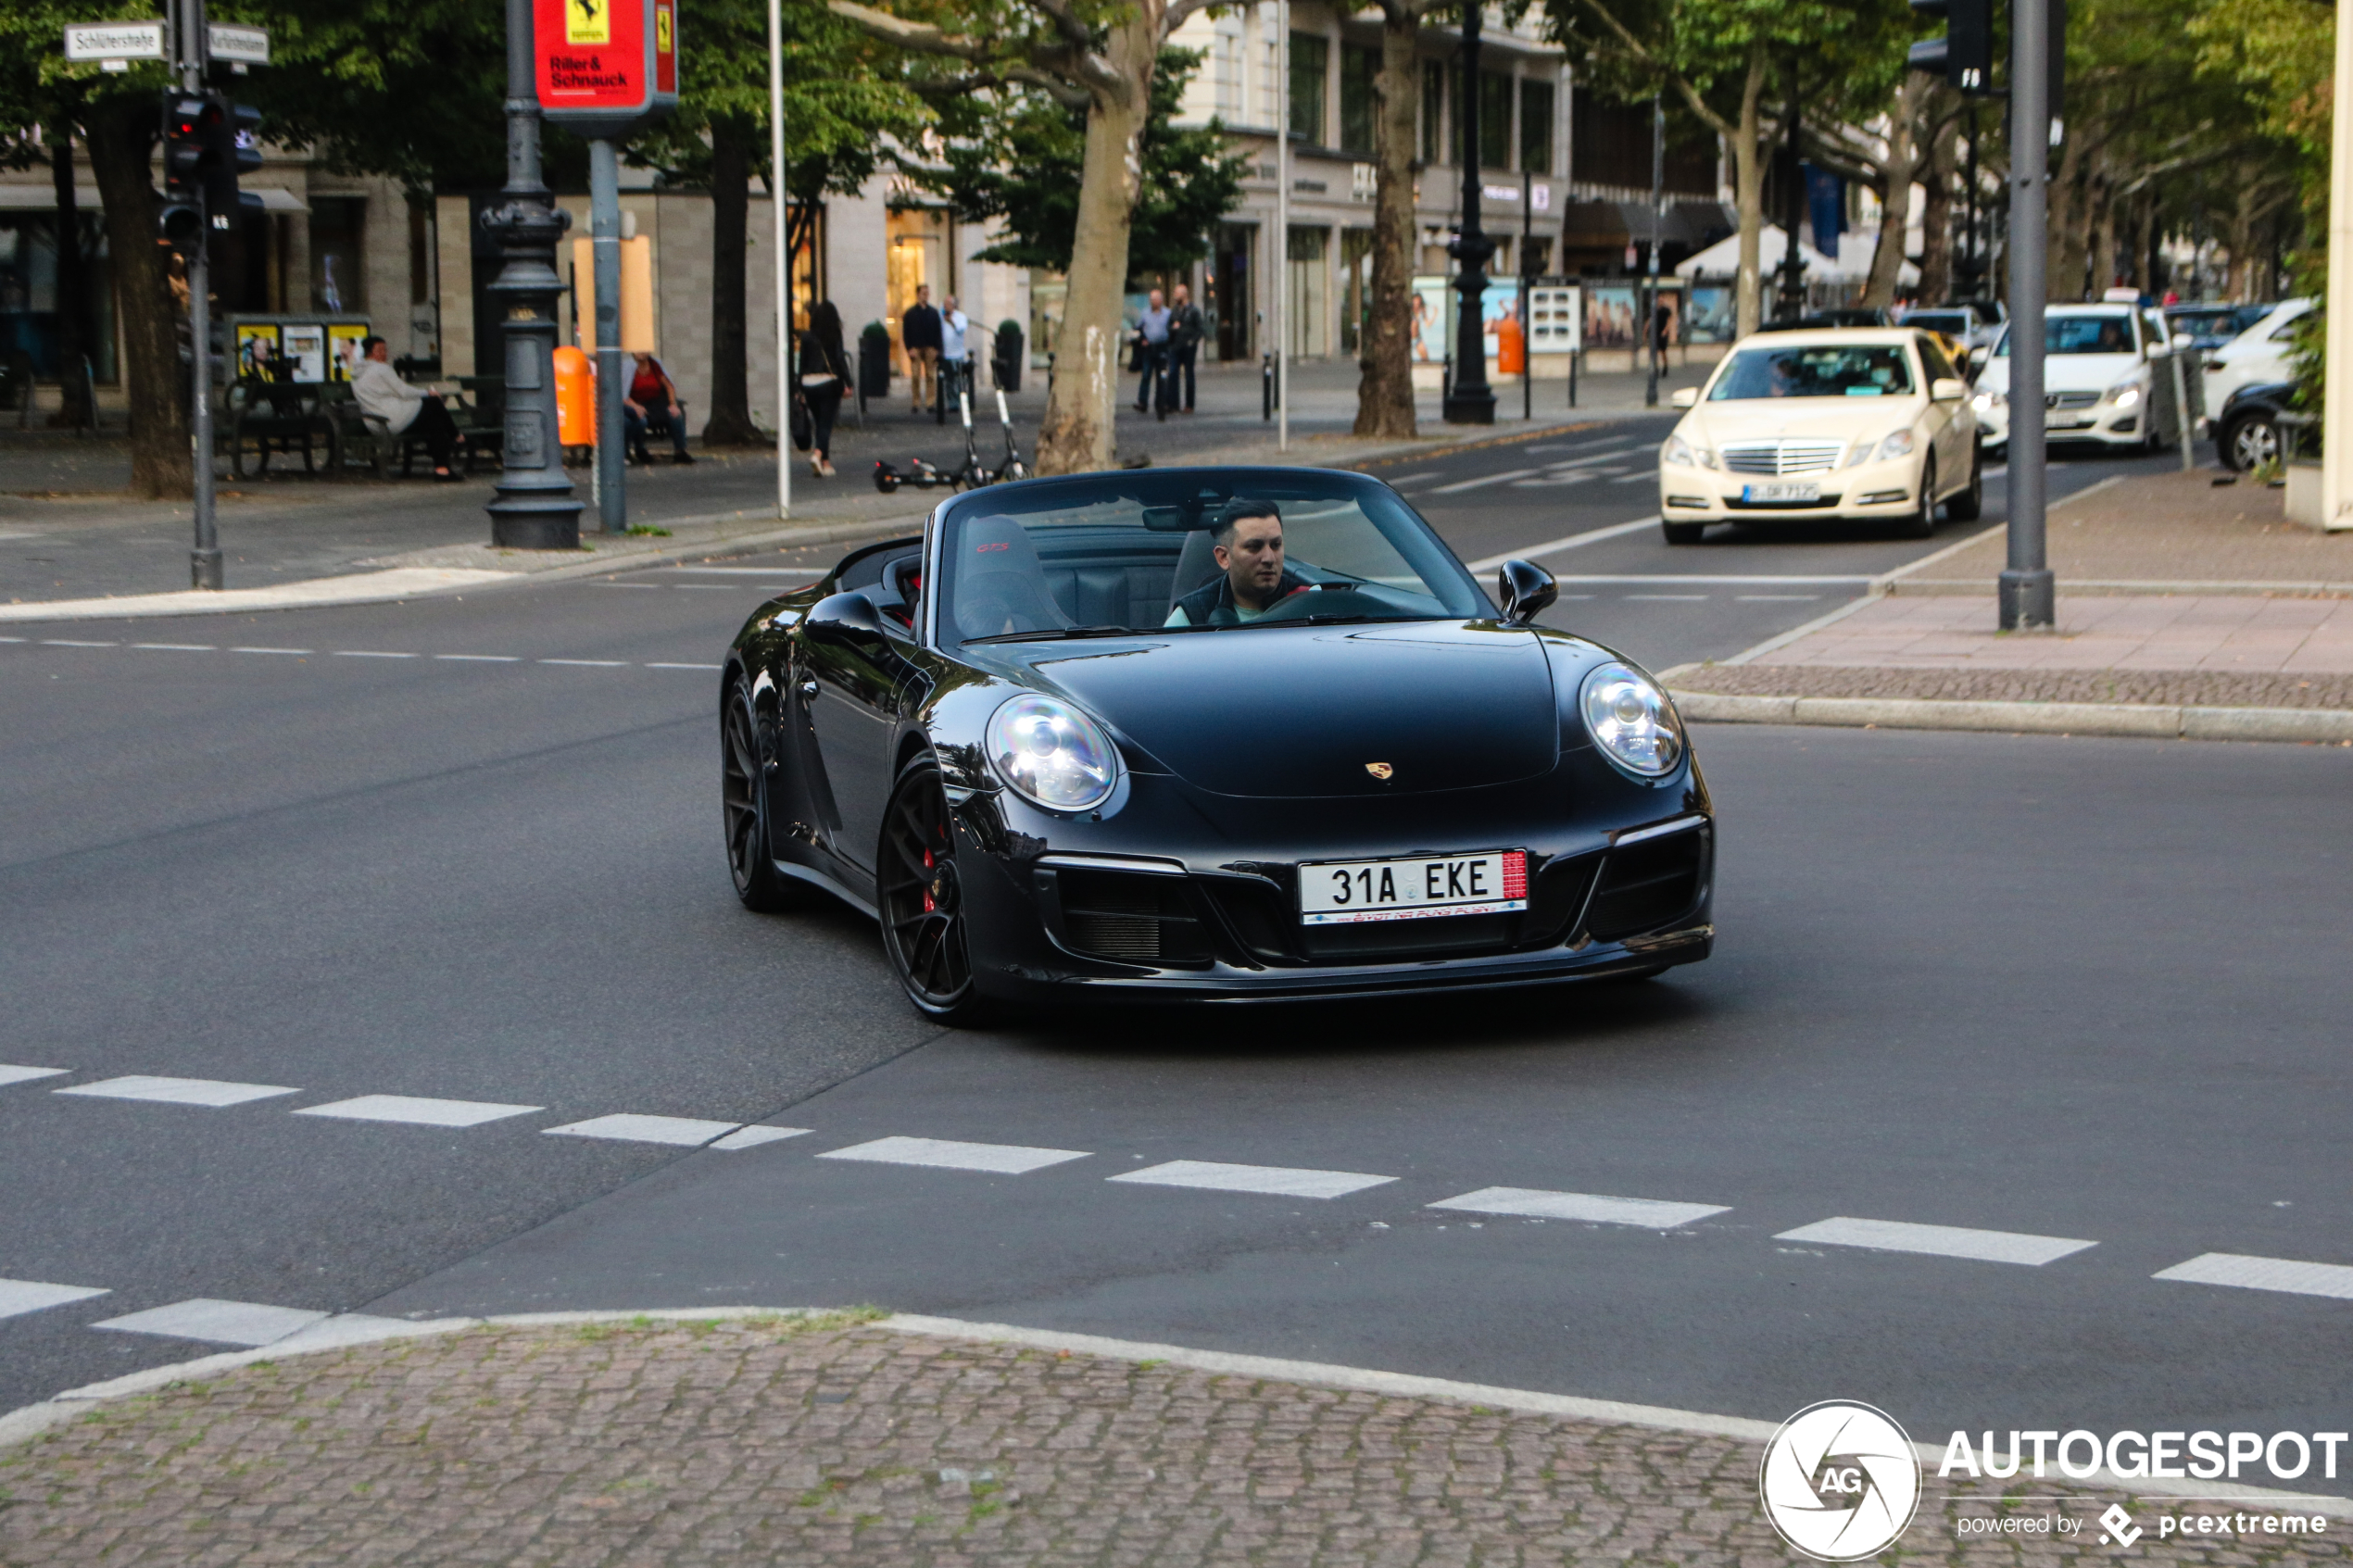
(1307, 302)
(29, 293)
(1535, 125)
(338, 254)
(1355, 287)
(1434, 77)
(1495, 120)
(1359, 104)
(1310, 64)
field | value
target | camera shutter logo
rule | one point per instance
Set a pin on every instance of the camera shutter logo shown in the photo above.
(1839, 1481)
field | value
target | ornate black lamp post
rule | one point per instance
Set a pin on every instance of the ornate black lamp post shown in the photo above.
(535, 509)
(1469, 400)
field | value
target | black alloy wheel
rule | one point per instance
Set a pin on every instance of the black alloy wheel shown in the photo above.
(1969, 504)
(744, 811)
(921, 896)
(1922, 523)
(2249, 442)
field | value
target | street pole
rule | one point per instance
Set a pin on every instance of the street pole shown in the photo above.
(2027, 591)
(1469, 400)
(204, 558)
(1659, 222)
(604, 247)
(2336, 407)
(1793, 212)
(1527, 282)
(784, 257)
(1972, 265)
(1280, 249)
(535, 509)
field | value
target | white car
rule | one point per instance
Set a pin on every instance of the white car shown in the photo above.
(2099, 380)
(2256, 355)
(1860, 424)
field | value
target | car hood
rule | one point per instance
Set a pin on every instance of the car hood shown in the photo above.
(1762, 419)
(1305, 711)
(2068, 372)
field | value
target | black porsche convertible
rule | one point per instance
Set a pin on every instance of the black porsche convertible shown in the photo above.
(1217, 733)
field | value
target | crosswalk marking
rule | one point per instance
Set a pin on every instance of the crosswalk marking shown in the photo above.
(752, 1137)
(2334, 1280)
(1651, 1214)
(20, 1295)
(420, 1111)
(177, 1091)
(1462, 485)
(27, 1074)
(1276, 1181)
(1946, 1241)
(681, 1130)
(220, 1323)
(1010, 1160)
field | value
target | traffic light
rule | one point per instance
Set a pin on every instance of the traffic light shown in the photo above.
(186, 132)
(1964, 57)
(234, 135)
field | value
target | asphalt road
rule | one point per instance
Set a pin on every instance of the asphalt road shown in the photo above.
(2060, 991)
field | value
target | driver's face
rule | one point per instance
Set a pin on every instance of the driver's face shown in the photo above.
(1253, 562)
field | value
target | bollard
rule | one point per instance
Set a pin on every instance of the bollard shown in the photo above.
(1265, 387)
(1574, 356)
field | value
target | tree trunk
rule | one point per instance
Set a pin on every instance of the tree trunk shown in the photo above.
(1895, 201)
(1078, 435)
(2100, 241)
(121, 132)
(2065, 226)
(1748, 190)
(73, 387)
(1385, 395)
(730, 423)
(1936, 216)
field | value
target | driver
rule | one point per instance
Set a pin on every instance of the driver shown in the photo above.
(1248, 551)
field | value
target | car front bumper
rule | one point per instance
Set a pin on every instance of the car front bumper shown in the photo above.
(1879, 489)
(2103, 423)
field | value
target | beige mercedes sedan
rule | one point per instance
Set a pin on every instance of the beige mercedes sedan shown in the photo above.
(1865, 424)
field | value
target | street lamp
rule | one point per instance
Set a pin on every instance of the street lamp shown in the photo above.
(1469, 400)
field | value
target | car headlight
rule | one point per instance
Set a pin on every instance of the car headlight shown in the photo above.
(1986, 402)
(2123, 395)
(1678, 452)
(1898, 444)
(1051, 754)
(1631, 721)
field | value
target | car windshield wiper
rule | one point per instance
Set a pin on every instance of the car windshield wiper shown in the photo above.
(1058, 632)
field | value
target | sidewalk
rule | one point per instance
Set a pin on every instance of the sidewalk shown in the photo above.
(62, 546)
(2180, 604)
(919, 1442)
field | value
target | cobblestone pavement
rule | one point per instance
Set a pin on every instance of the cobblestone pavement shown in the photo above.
(2201, 688)
(830, 1440)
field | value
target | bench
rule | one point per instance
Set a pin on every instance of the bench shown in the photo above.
(272, 418)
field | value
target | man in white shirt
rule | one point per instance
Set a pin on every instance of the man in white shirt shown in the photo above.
(380, 393)
(954, 352)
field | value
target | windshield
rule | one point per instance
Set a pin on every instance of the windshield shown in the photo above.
(1190, 550)
(1952, 323)
(2080, 334)
(1827, 369)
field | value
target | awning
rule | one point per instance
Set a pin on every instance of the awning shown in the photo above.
(42, 198)
(1594, 224)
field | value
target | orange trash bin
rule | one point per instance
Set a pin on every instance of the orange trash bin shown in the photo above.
(575, 398)
(1511, 347)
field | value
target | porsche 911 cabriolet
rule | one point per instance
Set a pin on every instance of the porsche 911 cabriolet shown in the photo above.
(1212, 733)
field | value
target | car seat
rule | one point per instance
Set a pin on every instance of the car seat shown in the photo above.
(1195, 565)
(1001, 584)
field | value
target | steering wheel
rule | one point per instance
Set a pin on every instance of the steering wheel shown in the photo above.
(1301, 603)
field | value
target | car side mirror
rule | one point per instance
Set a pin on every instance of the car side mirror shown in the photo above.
(1946, 389)
(1526, 590)
(1978, 355)
(1684, 397)
(844, 618)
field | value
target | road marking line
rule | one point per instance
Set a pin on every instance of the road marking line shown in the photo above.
(1011, 1160)
(27, 1074)
(420, 1111)
(1679, 599)
(587, 663)
(752, 1137)
(1575, 540)
(220, 1323)
(750, 571)
(11, 639)
(1776, 599)
(1278, 1181)
(1461, 484)
(1550, 481)
(178, 647)
(700, 587)
(683, 667)
(1680, 580)
(177, 1091)
(1945, 1241)
(1643, 478)
(1650, 1213)
(680, 1130)
(2333, 1280)
(482, 657)
(72, 643)
(1415, 478)
(297, 652)
(655, 585)
(363, 653)
(18, 1296)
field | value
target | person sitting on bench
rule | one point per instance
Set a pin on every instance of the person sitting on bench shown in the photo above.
(380, 393)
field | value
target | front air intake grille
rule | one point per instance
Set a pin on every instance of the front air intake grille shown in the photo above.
(1781, 458)
(1131, 919)
(1647, 885)
(2070, 399)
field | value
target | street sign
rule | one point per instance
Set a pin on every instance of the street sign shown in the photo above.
(606, 67)
(239, 45)
(114, 41)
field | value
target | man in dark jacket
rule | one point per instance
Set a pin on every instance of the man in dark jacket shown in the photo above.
(1251, 578)
(1185, 330)
(920, 335)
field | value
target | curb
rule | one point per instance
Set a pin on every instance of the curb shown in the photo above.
(2306, 725)
(21, 1425)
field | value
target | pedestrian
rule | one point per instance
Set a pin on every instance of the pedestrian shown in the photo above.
(824, 376)
(1186, 329)
(382, 394)
(1152, 350)
(920, 335)
(653, 404)
(955, 349)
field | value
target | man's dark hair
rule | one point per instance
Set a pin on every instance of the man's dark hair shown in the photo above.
(1238, 511)
(367, 346)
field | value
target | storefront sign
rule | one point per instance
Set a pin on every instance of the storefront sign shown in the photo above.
(607, 68)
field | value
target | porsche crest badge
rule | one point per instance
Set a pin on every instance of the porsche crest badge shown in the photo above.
(1379, 770)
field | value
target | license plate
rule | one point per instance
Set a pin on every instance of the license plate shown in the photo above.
(1352, 892)
(1787, 490)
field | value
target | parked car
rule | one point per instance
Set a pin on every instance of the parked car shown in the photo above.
(2246, 433)
(1972, 324)
(1845, 315)
(1859, 424)
(2209, 327)
(2260, 354)
(2101, 366)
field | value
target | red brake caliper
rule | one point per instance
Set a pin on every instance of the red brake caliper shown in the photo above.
(928, 906)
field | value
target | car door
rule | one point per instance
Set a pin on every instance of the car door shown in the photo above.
(1948, 434)
(851, 693)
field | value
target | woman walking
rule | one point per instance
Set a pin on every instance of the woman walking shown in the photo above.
(824, 376)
